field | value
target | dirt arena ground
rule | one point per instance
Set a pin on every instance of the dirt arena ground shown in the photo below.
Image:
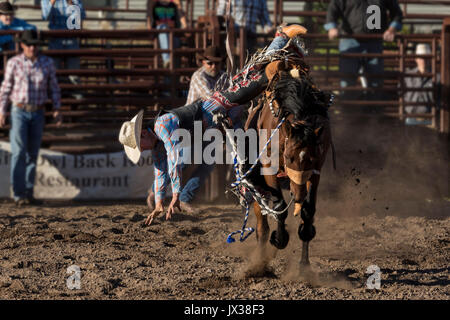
(386, 205)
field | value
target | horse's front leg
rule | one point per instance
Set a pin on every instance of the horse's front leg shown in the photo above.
(279, 237)
(306, 230)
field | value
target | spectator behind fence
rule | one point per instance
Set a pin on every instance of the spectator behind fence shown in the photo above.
(354, 19)
(165, 14)
(247, 14)
(60, 17)
(209, 78)
(414, 82)
(29, 76)
(205, 78)
(9, 22)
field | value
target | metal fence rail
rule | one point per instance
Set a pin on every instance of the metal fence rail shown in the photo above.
(118, 78)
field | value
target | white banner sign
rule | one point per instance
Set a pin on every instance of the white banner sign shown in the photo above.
(88, 176)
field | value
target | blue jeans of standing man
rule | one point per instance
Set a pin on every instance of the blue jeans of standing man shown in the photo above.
(62, 62)
(25, 137)
(352, 65)
(164, 42)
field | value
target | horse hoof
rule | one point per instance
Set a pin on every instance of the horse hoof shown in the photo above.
(279, 241)
(306, 233)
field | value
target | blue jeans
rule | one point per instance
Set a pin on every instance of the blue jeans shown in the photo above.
(163, 39)
(191, 187)
(197, 179)
(25, 137)
(352, 65)
(66, 62)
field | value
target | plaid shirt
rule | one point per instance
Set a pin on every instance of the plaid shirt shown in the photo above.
(202, 85)
(28, 82)
(246, 13)
(57, 14)
(166, 157)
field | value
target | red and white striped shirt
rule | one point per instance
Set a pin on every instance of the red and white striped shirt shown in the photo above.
(28, 82)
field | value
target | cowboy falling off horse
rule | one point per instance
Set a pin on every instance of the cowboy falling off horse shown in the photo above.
(290, 104)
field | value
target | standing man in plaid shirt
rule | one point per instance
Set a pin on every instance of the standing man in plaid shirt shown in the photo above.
(247, 14)
(28, 78)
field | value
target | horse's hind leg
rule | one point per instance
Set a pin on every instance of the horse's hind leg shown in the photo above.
(262, 227)
(306, 230)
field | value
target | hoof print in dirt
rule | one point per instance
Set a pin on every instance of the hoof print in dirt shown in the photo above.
(43, 226)
(261, 271)
(409, 262)
(117, 218)
(58, 237)
(117, 231)
(168, 245)
(192, 231)
(137, 217)
(112, 284)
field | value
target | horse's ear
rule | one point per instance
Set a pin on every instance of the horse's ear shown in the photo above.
(318, 131)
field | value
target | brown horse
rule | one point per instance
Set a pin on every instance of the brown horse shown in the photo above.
(304, 140)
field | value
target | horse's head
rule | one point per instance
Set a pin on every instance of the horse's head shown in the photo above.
(298, 100)
(302, 156)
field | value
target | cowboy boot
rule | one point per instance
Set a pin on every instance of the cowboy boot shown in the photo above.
(284, 33)
(293, 30)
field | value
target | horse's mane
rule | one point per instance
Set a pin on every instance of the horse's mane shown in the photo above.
(300, 97)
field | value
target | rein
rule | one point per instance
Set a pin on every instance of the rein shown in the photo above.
(241, 185)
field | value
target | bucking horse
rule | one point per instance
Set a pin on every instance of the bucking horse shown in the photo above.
(292, 104)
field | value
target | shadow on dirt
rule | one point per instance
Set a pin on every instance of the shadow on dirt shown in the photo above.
(395, 275)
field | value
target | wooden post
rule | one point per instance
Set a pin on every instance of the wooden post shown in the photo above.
(434, 78)
(215, 29)
(207, 7)
(172, 64)
(275, 12)
(401, 105)
(445, 77)
(191, 14)
(242, 46)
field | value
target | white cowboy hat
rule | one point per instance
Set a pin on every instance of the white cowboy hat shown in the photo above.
(130, 137)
